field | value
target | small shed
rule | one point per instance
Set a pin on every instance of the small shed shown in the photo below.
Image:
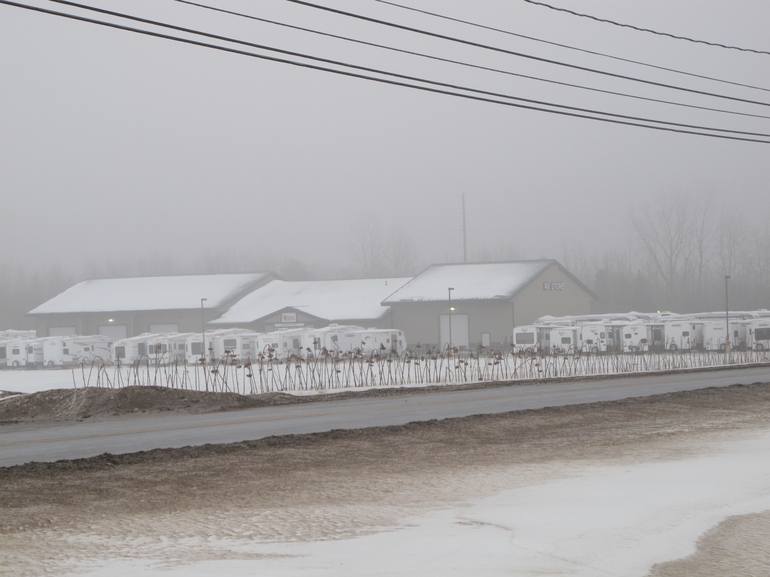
(126, 307)
(469, 305)
(283, 304)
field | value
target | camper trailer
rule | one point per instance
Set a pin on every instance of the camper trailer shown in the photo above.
(4, 344)
(593, 338)
(158, 348)
(332, 338)
(232, 344)
(283, 344)
(185, 348)
(559, 339)
(66, 351)
(26, 353)
(758, 334)
(525, 339)
(635, 338)
(679, 335)
(15, 353)
(131, 349)
(375, 341)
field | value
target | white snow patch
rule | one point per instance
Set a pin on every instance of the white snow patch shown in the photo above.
(600, 521)
(149, 293)
(332, 300)
(475, 281)
(35, 381)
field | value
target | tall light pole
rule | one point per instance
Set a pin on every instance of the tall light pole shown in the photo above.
(727, 314)
(203, 344)
(451, 310)
(465, 233)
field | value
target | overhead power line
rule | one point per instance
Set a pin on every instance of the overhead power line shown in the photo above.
(571, 47)
(369, 78)
(520, 54)
(648, 30)
(466, 64)
(443, 85)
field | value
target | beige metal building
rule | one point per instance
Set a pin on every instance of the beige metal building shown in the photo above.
(478, 304)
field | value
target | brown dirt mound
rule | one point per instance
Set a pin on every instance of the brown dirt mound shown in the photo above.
(79, 404)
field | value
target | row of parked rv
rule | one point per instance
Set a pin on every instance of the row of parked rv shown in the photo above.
(24, 350)
(641, 332)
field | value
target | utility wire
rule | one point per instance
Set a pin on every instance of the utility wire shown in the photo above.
(570, 47)
(520, 54)
(365, 77)
(466, 64)
(395, 74)
(649, 30)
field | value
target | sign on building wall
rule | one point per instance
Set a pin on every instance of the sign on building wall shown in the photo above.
(288, 317)
(553, 286)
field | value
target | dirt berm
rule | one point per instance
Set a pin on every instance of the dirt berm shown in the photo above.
(79, 404)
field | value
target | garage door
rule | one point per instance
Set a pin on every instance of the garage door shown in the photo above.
(62, 331)
(115, 332)
(459, 331)
(164, 328)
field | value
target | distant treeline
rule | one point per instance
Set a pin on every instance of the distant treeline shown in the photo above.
(674, 256)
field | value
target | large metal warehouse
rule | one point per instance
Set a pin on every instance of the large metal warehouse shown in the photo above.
(283, 304)
(478, 304)
(121, 307)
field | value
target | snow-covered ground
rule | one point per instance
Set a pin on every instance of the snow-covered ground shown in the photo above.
(593, 520)
(23, 381)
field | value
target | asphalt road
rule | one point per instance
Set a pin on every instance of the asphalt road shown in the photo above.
(23, 443)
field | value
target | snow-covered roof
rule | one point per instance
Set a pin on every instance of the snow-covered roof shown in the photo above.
(470, 281)
(150, 293)
(332, 300)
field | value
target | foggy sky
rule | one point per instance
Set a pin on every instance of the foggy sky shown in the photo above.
(115, 146)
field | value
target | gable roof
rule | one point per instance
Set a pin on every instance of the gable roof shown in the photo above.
(473, 281)
(150, 293)
(332, 300)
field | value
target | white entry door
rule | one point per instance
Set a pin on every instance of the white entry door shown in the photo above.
(459, 331)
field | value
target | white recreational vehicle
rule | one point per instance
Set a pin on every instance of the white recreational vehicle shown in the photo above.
(593, 338)
(131, 349)
(547, 339)
(375, 341)
(713, 335)
(185, 348)
(66, 351)
(635, 338)
(23, 353)
(758, 334)
(283, 344)
(525, 339)
(234, 344)
(557, 339)
(333, 338)
(679, 335)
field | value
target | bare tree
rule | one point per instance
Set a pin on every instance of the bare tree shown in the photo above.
(664, 229)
